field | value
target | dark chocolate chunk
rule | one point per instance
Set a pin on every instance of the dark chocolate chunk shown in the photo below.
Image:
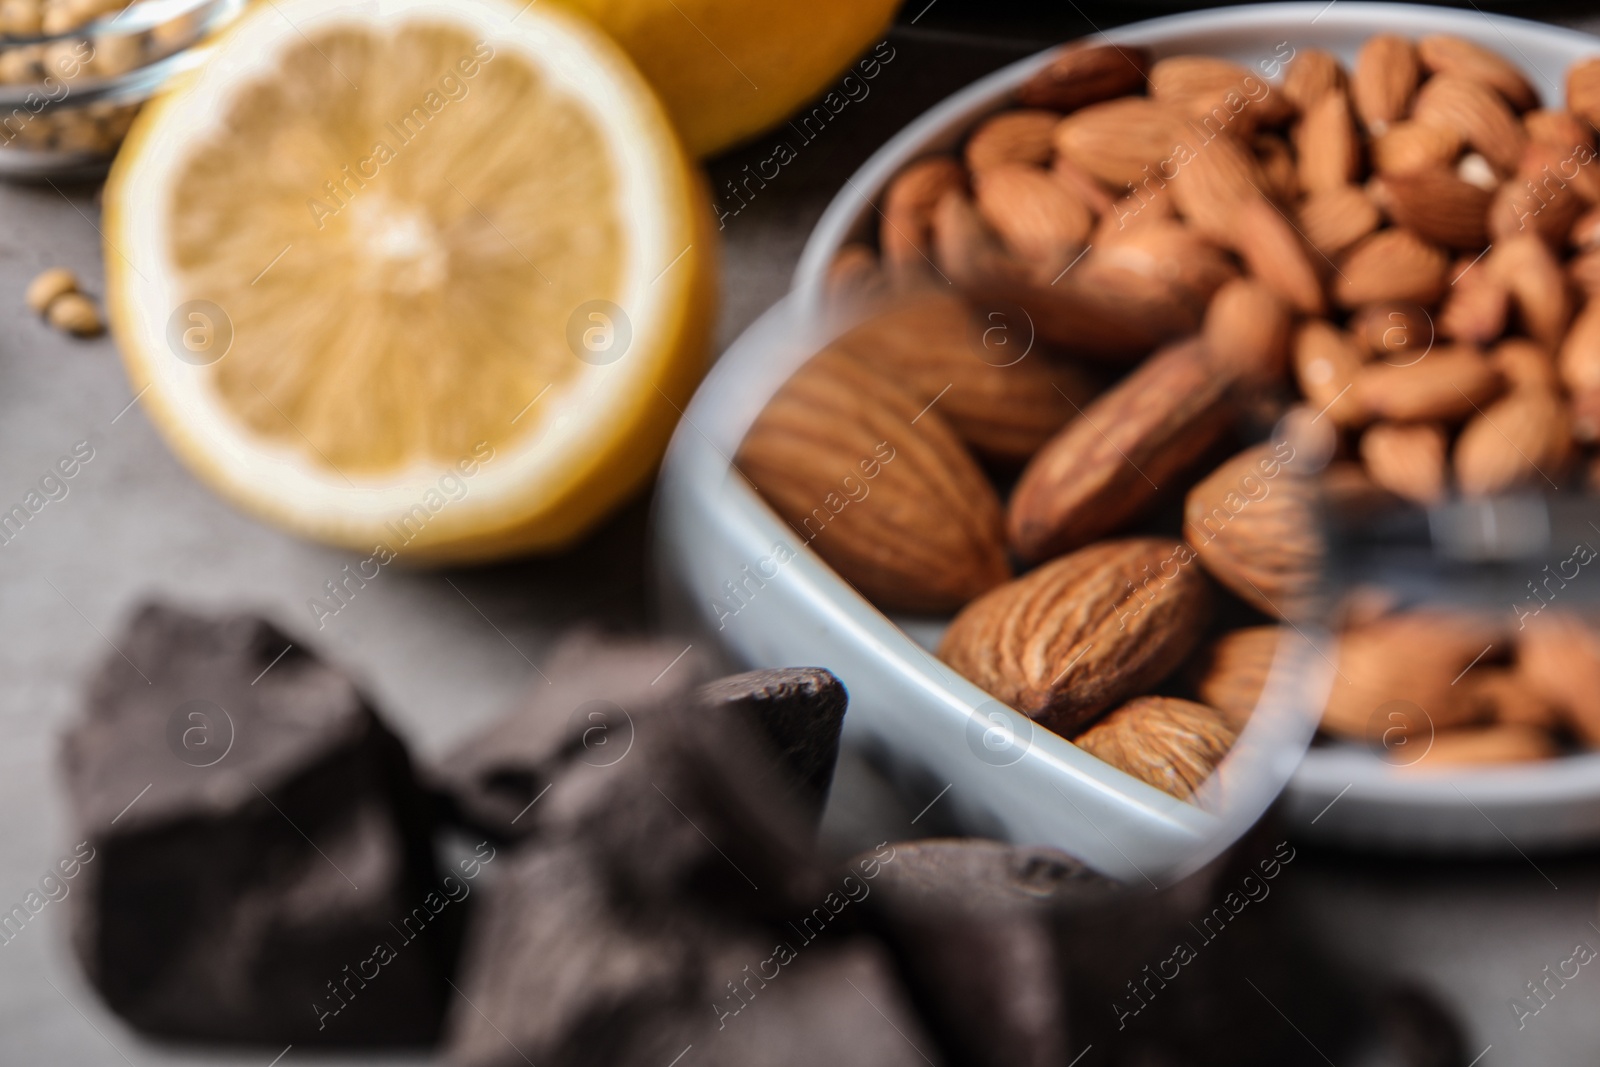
(258, 833)
(799, 710)
(971, 923)
(583, 710)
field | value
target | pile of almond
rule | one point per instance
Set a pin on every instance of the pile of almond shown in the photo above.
(1386, 274)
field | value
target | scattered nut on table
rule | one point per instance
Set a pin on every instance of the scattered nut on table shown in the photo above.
(43, 290)
(55, 295)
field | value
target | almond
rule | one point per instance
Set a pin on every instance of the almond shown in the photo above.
(1530, 272)
(1277, 254)
(1393, 264)
(1560, 128)
(1447, 385)
(1122, 142)
(1407, 460)
(897, 507)
(1108, 466)
(1583, 90)
(1330, 152)
(1253, 522)
(1578, 358)
(1436, 205)
(1246, 331)
(1524, 364)
(1475, 306)
(1278, 167)
(1411, 657)
(1166, 254)
(1584, 272)
(908, 208)
(1000, 398)
(1004, 406)
(1559, 656)
(1447, 54)
(1537, 199)
(1082, 633)
(1138, 208)
(1038, 218)
(1486, 745)
(1477, 113)
(1335, 219)
(1397, 331)
(1585, 232)
(1172, 744)
(1385, 78)
(1326, 363)
(1231, 672)
(1020, 136)
(1086, 74)
(1082, 184)
(1409, 146)
(1521, 439)
(1211, 186)
(1113, 318)
(1217, 95)
(1310, 75)
(1504, 696)
(854, 277)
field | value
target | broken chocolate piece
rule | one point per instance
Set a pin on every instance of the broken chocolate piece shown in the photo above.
(799, 710)
(584, 709)
(971, 923)
(258, 832)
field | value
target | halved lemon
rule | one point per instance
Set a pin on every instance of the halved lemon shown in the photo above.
(432, 276)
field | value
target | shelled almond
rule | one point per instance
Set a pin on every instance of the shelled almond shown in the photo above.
(1402, 256)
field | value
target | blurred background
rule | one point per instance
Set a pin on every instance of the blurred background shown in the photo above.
(445, 652)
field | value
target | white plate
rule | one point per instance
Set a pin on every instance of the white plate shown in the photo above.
(1005, 776)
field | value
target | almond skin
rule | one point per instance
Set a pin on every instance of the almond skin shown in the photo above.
(1408, 146)
(1437, 206)
(1247, 330)
(1021, 136)
(1479, 114)
(898, 508)
(1447, 54)
(1310, 75)
(1478, 746)
(1115, 141)
(1217, 94)
(1326, 363)
(908, 207)
(1231, 672)
(1579, 356)
(1558, 655)
(1524, 364)
(1447, 385)
(1330, 151)
(1211, 186)
(1399, 332)
(1276, 253)
(1412, 656)
(1037, 217)
(1528, 269)
(1278, 167)
(1253, 523)
(1392, 264)
(1172, 744)
(1407, 460)
(1521, 439)
(1335, 219)
(1538, 199)
(1385, 77)
(1583, 90)
(1108, 466)
(1083, 75)
(1475, 306)
(1082, 633)
(933, 345)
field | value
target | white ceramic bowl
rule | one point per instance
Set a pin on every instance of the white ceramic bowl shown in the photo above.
(724, 555)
